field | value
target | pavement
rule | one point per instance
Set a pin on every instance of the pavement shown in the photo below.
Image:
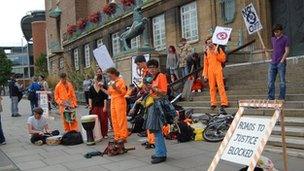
(20, 154)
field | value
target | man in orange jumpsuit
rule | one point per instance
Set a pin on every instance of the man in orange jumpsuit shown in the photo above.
(141, 63)
(65, 97)
(213, 72)
(117, 90)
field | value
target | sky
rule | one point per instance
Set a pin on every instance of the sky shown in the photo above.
(11, 13)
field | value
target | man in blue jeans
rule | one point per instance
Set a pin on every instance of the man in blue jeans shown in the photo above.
(280, 45)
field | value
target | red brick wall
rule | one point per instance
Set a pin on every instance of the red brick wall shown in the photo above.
(39, 42)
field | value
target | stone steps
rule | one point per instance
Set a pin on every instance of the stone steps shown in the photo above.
(290, 151)
(291, 142)
(292, 131)
(204, 96)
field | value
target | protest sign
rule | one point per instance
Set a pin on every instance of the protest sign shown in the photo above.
(251, 19)
(103, 58)
(221, 35)
(44, 102)
(136, 77)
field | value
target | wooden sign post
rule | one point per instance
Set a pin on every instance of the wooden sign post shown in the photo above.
(256, 130)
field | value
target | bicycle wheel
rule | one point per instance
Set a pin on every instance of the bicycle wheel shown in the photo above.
(213, 134)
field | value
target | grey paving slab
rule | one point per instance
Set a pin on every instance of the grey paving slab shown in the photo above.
(31, 165)
(62, 159)
(92, 168)
(125, 164)
(83, 163)
(157, 167)
(5, 163)
(27, 158)
(51, 168)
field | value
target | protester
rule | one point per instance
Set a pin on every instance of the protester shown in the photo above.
(142, 66)
(14, 94)
(117, 90)
(65, 98)
(213, 59)
(21, 89)
(87, 83)
(44, 84)
(2, 138)
(33, 96)
(194, 62)
(98, 103)
(172, 63)
(155, 121)
(38, 127)
(280, 45)
(184, 53)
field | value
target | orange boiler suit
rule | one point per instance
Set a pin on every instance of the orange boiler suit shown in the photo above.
(66, 93)
(214, 72)
(119, 110)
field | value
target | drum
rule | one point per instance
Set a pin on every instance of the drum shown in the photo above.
(54, 140)
(88, 123)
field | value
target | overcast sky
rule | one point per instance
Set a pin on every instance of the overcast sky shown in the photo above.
(11, 13)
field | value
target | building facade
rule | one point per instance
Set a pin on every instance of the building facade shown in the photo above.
(71, 42)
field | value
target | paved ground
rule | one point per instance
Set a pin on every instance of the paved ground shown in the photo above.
(185, 156)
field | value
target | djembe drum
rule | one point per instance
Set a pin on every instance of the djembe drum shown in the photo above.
(88, 123)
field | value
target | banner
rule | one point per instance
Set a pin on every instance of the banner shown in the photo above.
(251, 19)
(103, 58)
(221, 35)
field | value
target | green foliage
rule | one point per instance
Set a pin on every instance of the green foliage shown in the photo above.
(41, 67)
(5, 68)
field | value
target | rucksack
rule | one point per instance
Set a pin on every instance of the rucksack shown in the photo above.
(72, 138)
(186, 133)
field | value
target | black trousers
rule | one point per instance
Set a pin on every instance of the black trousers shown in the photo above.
(86, 96)
(37, 137)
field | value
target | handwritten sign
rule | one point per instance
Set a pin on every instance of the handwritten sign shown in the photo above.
(136, 77)
(44, 102)
(251, 19)
(103, 58)
(245, 140)
(221, 35)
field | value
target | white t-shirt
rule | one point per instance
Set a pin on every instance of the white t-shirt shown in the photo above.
(38, 125)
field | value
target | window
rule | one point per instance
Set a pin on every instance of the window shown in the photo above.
(61, 63)
(228, 10)
(53, 66)
(115, 44)
(189, 22)
(76, 59)
(99, 43)
(87, 56)
(135, 43)
(159, 32)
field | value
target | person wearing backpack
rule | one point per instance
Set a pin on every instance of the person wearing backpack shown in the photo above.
(32, 96)
(213, 72)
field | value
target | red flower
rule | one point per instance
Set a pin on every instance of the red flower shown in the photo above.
(94, 18)
(71, 29)
(81, 23)
(109, 9)
(127, 2)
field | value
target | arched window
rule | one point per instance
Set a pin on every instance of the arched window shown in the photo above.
(228, 10)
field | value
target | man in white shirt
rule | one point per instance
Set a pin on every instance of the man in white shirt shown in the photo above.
(38, 127)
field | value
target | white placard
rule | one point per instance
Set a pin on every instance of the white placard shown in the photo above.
(245, 140)
(135, 75)
(103, 58)
(251, 19)
(221, 35)
(44, 102)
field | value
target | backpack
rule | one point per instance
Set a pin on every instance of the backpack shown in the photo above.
(72, 138)
(169, 111)
(186, 133)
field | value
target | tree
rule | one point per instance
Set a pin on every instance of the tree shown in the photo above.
(41, 67)
(5, 68)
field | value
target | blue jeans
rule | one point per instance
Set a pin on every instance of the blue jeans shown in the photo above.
(274, 69)
(2, 139)
(160, 146)
(14, 105)
(184, 71)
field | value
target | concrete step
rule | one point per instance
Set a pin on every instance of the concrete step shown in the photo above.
(291, 142)
(293, 131)
(204, 96)
(288, 104)
(263, 112)
(290, 152)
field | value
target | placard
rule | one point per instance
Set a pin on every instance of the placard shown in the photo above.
(245, 140)
(44, 102)
(103, 58)
(251, 19)
(135, 72)
(221, 35)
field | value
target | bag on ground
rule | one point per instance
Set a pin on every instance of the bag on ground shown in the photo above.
(72, 138)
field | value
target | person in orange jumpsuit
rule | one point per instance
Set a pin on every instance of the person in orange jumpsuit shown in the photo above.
(213, 72)
(117, 90)
(141, 63)
(64, 95)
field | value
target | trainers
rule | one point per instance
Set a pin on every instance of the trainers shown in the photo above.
(3, 143)
(157, 160)
(39, 143)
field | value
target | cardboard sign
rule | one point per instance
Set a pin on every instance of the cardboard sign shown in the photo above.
(221, 35)
(103, 58)
(245, 140)
(135, 72)
(251, 19)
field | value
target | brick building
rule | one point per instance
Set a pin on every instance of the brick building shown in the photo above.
(169, 21)
(38, 38)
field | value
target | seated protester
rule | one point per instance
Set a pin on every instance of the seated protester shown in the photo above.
(38, 127)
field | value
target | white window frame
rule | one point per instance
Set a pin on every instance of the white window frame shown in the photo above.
(115, 44)
(188, 14)
(61, 63)
(159, 32)
(99, 43)
(87, 56)
(135, 43)
(76, 59)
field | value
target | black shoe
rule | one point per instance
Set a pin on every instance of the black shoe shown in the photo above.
(157, 160)
(153, 157)
(149, 146)
(18, 115)
(224, 106)
(212, 107)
